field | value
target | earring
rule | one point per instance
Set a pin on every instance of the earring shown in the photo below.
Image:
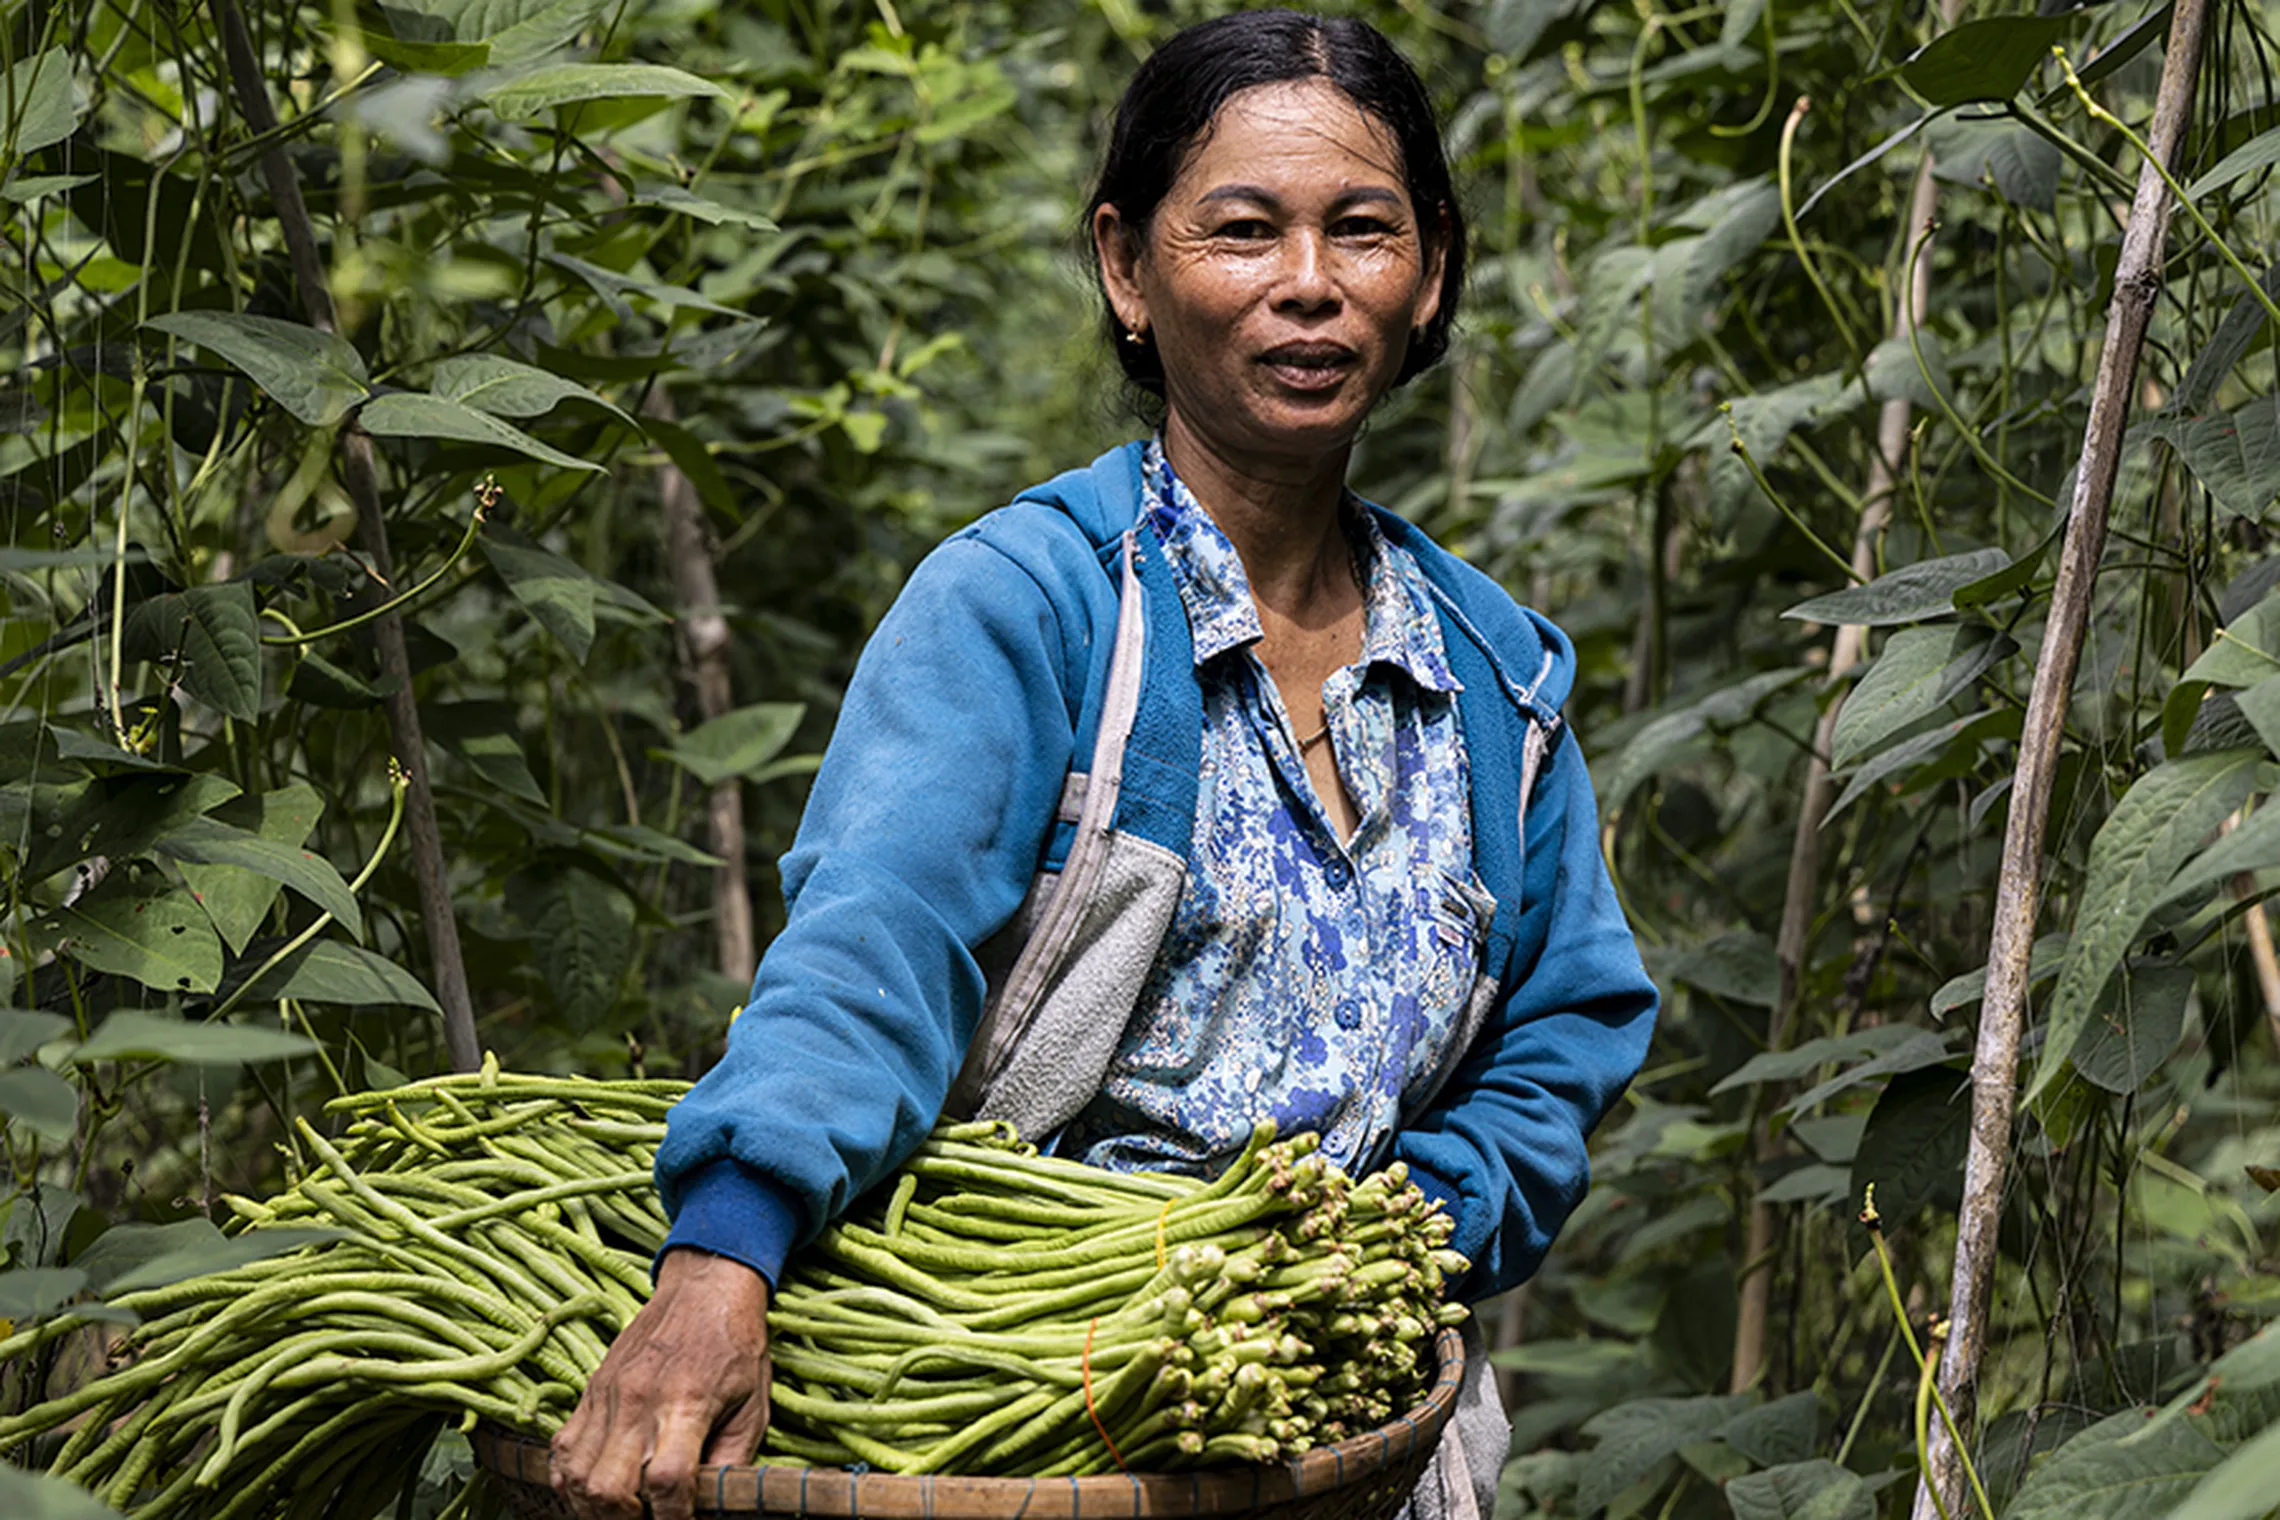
(1135, 336)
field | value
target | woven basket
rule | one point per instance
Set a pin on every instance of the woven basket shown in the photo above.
(1366, 1478)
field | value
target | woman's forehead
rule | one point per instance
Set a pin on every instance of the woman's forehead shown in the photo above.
(1288, 137)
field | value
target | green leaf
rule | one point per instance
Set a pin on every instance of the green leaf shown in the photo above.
(408, 414)
(1635, 1439)
(1818, 1183)
(330, 971)
(736, 743)
(515, 31)
(2022, 165)
(215, 633)
(2235, 454)
(2138, 1025)
(2234, 335)
(1738, 965)
(693, 459)
(130, 1036)
(41, 1101)
(711, 212)
(2254, 846)
(567, 83)
(2258, 153)
(238, 899)
(1983, 60)
(2156, 827)
(2244, 652)
(37, 1292)
(1961, 738)
(314, 375)
(1913, 592)
(1919, 671)
(27, 188)
(2103, 1475)
(1787, 1065)
(21, 1032)
(448, 60)
(1894, 371)
(37, 1496)
(160, 939)
(629, 841)
(483, 734)
(2239, 1488)
(1661, 741)
(207, 841)
(1961, 992)
(1914, 1145)
(47, 101)
(175, 1253)
(505, 388)
(556, 592)
(116, 816)
(1776, 1433)
(581, 932)
(1923, 1049)
(1816, 1489)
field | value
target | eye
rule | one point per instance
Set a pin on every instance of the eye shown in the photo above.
(1245, 229)
(1361, 226)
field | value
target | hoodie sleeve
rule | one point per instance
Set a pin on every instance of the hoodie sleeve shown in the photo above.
(921, 836)
(1504, 1145)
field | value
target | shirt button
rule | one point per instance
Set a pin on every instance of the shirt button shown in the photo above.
(1337, 873)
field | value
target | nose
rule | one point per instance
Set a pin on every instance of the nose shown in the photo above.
(1308, 283)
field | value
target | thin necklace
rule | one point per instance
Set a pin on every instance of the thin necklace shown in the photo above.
(1316, 737)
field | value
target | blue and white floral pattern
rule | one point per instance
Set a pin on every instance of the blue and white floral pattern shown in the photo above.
(1313, 982)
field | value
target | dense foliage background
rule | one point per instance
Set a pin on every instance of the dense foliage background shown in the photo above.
(657, 341)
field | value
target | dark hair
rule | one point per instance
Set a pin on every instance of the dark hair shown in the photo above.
(1176, 94)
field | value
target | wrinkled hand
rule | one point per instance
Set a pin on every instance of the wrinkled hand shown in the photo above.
(686, 1383)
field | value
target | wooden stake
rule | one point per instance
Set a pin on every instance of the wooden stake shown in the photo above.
(358, 473)
(2018, 891)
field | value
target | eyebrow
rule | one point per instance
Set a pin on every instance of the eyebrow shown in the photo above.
(1266, 197)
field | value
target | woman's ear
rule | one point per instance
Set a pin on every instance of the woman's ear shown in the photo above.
(1116, 244)
(1436, 267)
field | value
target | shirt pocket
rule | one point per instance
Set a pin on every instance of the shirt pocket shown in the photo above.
(1452, 924)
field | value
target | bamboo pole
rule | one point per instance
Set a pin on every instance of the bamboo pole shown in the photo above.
(2018, 891)
(359, 474)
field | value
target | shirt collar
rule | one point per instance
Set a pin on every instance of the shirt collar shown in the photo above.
(1400, 626)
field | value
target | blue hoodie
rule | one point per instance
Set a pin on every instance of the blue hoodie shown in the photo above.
(993, 848)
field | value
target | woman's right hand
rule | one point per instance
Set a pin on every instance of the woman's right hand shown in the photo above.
(687, 1382)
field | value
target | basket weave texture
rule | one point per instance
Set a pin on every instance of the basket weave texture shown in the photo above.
(1366, 1478)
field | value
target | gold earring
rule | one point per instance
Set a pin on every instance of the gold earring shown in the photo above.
(1135, 336)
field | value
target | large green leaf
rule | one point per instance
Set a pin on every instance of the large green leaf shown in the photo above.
(513, 31)
(484, 735)
(47, 103)
(2258, 153)
(215, 633)
(131, 1036)
(37, 1496)
(1919, 671)
(2156, 827)
(507, 388)
(314, 375)
(41, 1101)
(160, 938)
(408, 414)
(2023, 166)
(1637, 1438)
(329, 971)
(1662, 740)
(2244, 652)
(2138, 1024)
(1923, 1049)
(2239, 1488)
(562, 84)
(1983, 60)
(22, 1032)
(1954, 745)
(2043, 962)
(237, 899)
(556, 592)
(581, 932)
(191, 1253)
(207, 841)
(1913, 1148)
(2254, 846)
(2235, 454)
(2101, 1475)
(37, 1292)
(1907, 595)
(738, 743)
(1738, 966)
(1787, 1065)
(1776, 1433)
(1817, 1489)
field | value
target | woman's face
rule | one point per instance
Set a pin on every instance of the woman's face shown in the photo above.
(1281, 276)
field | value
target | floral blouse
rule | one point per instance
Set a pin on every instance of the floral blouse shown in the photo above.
(1307, 980)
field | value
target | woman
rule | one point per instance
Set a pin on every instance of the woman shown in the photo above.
(1183, 792)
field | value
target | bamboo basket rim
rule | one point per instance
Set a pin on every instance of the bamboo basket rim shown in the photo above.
(762, 1489)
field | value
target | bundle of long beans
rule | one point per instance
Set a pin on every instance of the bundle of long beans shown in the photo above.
(1002, 1312)
(998, 1312)
(496, 1233)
